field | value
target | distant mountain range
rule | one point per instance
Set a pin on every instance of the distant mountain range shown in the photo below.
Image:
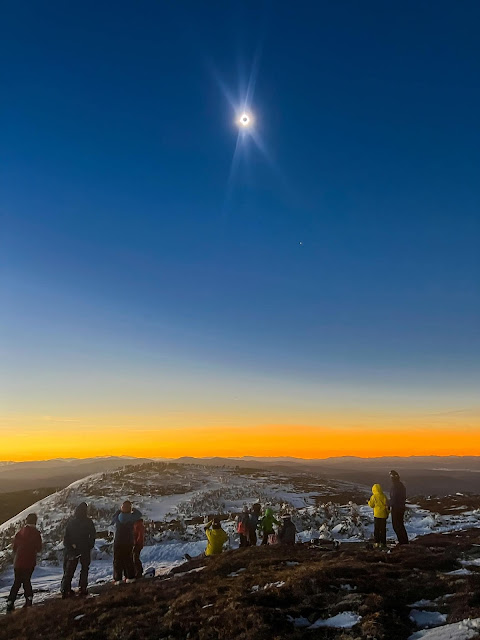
(431, 474)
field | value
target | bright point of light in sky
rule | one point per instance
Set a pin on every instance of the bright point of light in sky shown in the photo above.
(245, 120)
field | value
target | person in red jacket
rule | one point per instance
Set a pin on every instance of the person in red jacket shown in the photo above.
(139, 539)
(26, 544)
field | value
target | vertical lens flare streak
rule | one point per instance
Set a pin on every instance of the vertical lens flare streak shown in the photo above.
(246, 125)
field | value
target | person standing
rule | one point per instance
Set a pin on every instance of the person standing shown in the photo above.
(398, 497)
(379, 503)
(253, 523)
(266, 524)
(243, 527)
(26, 544)
(78, 542)
(138, 542)
(123, 543)
(287, 531)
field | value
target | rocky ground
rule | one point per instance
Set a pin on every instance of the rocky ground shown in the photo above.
(277, 593)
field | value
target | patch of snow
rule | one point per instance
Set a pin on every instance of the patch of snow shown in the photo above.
(277, 584)
(291, 563)
(184, 573)
(426, 619)
(82, 615)
(465, 630)
(471, 563)
(236, 573)
(348, 587)
(459, 572)
(345, 620)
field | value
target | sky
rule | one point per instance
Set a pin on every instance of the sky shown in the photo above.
(173, 284)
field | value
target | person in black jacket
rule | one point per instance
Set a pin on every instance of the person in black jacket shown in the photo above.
(286, 531)
(78, 541)
(398, 497)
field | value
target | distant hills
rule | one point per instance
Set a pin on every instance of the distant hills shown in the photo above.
(423, 474)
(58, 472)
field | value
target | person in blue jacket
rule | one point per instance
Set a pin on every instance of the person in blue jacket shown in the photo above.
(398, 497)
(124, 541)
(78, 542)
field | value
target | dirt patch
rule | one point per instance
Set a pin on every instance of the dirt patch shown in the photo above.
(448, 505)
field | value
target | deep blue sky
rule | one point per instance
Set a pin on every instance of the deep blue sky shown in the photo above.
(124, 245)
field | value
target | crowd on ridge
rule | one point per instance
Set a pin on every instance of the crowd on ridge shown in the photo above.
(79, 539)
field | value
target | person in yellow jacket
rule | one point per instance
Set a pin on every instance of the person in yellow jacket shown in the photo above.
(216, 537)
(379, 503)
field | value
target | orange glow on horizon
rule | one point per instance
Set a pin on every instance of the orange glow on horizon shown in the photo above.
(302, 441)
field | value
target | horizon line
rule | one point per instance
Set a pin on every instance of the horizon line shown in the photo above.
(233, 458)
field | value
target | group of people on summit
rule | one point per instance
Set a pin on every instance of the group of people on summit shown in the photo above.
(79, 539)
(250, 520)
(78, 542)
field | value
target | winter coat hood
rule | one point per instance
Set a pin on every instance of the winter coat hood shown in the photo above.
(79, 534)
(286, 533)
(81, 510)
(268, 520)
(378, 502)
(216, 539)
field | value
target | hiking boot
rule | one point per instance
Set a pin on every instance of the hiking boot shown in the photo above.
(68, 594)
(117, 582)
(10, 606)
(130, 580)
(28, 602)
(83, 592)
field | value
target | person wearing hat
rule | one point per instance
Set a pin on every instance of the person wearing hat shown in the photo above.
(26, 544)
(216, 537)
(78, 542)
(286, 531)
(398, 497)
